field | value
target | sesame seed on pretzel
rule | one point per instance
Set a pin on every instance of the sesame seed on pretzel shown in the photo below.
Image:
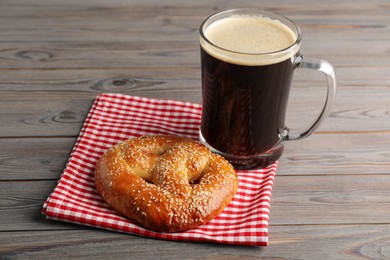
(149, 180)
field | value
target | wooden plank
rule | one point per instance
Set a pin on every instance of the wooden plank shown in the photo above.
(90, 54)
(120, 23)
(21, 203)
(136, 53)
(45, 118)
(320, 154)
(79, 84)
(337, 154)
(313, 200)
(330, 199)
(59, 100)
(329, 242)
(286, 242)
(170, 38)
(34, 116)
(117, 10)
(34, 158)
(76, 81)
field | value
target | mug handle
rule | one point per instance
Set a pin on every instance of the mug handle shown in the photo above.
(326, 68)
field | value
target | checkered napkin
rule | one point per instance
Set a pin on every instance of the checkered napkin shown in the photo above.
(114, 118)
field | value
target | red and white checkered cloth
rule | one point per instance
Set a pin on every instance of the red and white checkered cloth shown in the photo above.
(114, 118)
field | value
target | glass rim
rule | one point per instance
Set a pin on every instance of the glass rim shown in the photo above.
(254, 11)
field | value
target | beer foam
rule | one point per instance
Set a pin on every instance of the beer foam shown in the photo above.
(250, 40)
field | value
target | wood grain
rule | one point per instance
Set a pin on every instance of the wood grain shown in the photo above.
(287, 242)
(34, 158)
(43, 158)
(330, 198)
(59, 100)
(338, 154)
(296, 200)
(146, 35)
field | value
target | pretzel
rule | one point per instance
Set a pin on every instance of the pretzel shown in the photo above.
(150, 180)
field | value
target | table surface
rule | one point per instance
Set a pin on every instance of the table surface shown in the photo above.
(331, 196)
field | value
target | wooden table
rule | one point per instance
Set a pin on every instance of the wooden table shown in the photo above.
(331, 196)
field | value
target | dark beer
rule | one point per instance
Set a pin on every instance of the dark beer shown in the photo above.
(245, 97)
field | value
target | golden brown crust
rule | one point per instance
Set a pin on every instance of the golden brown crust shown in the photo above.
(148, 180)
